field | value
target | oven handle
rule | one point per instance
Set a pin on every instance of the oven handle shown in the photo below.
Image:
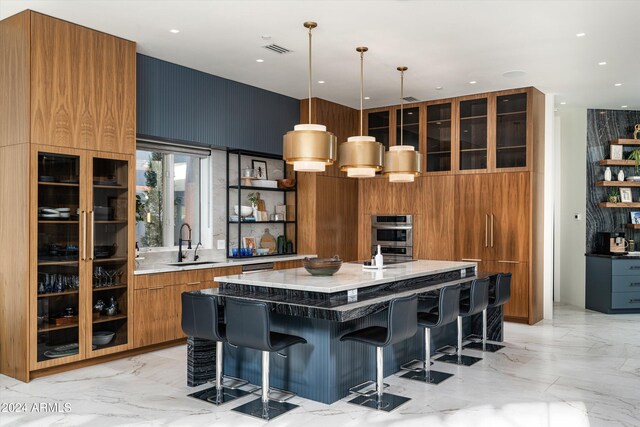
(393, 227)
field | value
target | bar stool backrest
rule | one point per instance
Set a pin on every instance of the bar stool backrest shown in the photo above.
(478, 296)
(200, 317)
(248, 324)
(502, 290)
(402, 319)
(448, 305)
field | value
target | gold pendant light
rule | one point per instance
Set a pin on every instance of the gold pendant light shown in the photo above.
(361, 156)
(402, 162)
(309, 147)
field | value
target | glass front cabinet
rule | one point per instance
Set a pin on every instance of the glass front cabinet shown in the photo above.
(83, 249)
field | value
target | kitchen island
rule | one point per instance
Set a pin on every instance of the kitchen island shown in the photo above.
(321, 309)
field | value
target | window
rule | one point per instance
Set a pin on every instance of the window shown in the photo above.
(168, 194)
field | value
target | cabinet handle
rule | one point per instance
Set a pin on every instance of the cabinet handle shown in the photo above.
(486, 230)
(193, 283)
(631, 285)
(93, 234)
(470, 260)
(156, 288)
(509, 262)
(491, 230)
(83, 239)
(634, 267)
(634, 300)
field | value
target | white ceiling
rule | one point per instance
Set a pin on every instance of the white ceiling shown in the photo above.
(444, 43)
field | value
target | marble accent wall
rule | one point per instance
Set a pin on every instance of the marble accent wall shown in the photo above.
(604, 126)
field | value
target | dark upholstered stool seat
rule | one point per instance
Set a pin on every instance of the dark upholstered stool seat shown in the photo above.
(249, 325)
(447, 312)
(201, 319)
(401, 325)
(498, 295)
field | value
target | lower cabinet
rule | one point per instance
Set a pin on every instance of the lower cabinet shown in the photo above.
(517, 309)
(612, 284)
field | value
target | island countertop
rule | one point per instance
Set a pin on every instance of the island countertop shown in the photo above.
(350, 276)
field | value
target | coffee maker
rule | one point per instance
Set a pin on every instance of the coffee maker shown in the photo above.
(610, 243)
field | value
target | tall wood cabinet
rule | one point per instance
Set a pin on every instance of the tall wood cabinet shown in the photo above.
(67, 144)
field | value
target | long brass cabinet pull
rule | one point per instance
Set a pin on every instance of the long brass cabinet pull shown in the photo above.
(509, 262)
(486, 230)
(157, 288)
(471, 260)
(83, 239)
(193, 283)
(491, 230)
(93, 234)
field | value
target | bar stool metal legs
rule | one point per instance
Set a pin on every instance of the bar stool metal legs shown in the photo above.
(225, 389)
(458, 358)
(484, 345)
(265, 407)
(425, 374)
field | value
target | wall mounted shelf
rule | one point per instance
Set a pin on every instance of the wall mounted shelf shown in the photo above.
(610, 162)
(618, 205)
(617, 184)
(621, 141)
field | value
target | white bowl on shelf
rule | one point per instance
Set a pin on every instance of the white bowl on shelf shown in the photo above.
(102, 337)
(244, 210)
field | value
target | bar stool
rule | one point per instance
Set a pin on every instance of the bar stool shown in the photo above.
(478, 301)
(401, 325)
(200, 320)
(448, 309)
(500, 296)
(249, 325)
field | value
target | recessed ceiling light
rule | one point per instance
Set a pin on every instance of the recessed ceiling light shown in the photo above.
(259, 60)
(581, 34)
(514, 73)
(472, 82)
(563, 103)
(266, 37)
(602, 63)
(174, 31)
(623, 106)
(438, 87)
(617, 84)
(321, 81)
(367, 97)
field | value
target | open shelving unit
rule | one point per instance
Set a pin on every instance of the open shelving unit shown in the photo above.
(237, 192)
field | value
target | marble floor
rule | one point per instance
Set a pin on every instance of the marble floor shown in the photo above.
(581, 369)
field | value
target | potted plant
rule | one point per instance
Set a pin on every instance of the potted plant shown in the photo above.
(614, 196)
(253, 199)
(635, 155)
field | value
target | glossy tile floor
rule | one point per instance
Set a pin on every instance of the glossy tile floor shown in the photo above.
(581, 369)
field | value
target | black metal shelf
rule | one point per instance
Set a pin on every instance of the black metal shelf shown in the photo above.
(252, 187)
(262, 222)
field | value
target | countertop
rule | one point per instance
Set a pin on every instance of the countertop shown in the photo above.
(616, 256)
(163, 268)
(350, 276)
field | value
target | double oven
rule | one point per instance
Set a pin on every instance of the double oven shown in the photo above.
(394, 234)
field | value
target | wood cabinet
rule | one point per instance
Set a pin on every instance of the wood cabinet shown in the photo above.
(518, 307)
(71, 109)
(440, 130)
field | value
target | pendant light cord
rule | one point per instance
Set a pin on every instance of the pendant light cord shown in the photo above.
(361, 88)
(310, 28)
(402, 107)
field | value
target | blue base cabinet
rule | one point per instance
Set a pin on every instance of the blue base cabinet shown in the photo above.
(613, 284)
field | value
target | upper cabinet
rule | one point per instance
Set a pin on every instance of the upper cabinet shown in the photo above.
(82, 86)
(482, 133)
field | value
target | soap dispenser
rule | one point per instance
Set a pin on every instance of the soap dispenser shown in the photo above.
(379, 259)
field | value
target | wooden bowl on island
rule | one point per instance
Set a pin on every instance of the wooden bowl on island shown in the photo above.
(322, 266)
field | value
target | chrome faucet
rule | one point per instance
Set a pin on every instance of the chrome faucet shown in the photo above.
(181, 256)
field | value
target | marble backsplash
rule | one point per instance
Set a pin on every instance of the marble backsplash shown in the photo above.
(604, 126)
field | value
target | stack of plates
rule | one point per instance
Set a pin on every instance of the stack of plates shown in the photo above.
(633, 178)
(233, 218)
(54, 213)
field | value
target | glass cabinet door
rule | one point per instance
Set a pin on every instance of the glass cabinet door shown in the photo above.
(410, 127)
(439, 138)
(511, 131)
(378, 127)
(473, 134)
(58, 307)
(109, 252)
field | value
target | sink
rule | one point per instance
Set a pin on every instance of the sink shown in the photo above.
(188, 263)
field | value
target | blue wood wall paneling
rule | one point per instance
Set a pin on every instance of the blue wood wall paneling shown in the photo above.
(176, 103)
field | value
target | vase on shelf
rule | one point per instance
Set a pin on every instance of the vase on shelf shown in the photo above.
(607, 174)
(621, 175)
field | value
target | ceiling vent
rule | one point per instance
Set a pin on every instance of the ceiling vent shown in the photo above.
(410, 99)
(277, 49)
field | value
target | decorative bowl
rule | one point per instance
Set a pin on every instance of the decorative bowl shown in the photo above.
(244, 210)
(102, 337)
(262, 251)
(322, 266)
(286, 183)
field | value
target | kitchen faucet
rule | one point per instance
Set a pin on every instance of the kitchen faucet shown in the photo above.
(195, 252)
(180, 240)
